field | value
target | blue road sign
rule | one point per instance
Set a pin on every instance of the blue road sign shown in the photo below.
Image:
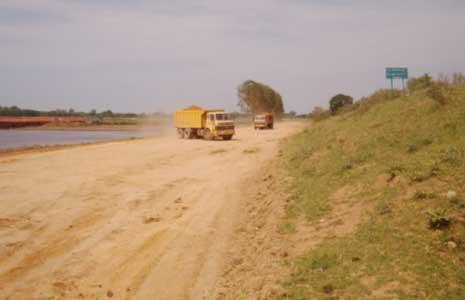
(392, 73)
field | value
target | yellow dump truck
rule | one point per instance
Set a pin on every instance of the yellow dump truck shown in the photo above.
(264, 121)
(196, 122)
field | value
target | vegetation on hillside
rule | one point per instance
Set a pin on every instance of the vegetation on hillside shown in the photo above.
(257, 97)
(402, 156)
(435, 89)
(339, 101)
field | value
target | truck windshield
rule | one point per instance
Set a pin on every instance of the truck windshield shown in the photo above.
(223, 117)
(260, 117)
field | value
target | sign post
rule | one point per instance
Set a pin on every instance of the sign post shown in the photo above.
(399, 73)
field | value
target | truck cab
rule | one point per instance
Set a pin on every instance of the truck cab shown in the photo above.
(264, 121)
(220, 124)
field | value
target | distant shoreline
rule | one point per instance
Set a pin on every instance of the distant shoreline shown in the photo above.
(53, 127)
(126, 133)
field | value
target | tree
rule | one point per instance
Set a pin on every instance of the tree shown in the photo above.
(257, 97)
(339, 101)
(458, 79)
(317, 111)
(107, 113)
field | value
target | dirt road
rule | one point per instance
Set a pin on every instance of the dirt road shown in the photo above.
(142, 219)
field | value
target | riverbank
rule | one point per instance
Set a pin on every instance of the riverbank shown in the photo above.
(47, 148)
(19, 141)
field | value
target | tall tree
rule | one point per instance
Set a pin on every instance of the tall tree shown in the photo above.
(257, 97)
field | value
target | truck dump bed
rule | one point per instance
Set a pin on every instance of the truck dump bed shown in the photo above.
(191, 117)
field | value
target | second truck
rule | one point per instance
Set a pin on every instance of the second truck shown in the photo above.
(196, 122)
(264, 121)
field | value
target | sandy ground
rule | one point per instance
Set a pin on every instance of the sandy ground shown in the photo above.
(140, 219)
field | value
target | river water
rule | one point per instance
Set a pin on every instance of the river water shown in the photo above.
(24, 138)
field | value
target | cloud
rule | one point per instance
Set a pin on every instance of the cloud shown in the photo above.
(23, 15)
(392, 4)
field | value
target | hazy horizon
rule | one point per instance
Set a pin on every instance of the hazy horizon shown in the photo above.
(147, 56)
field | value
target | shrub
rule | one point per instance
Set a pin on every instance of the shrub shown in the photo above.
(459, 202)
(419, 83)
(423, 195)
(452, 155)
(439, 218)
(418, 144)
(379, 96)
(423, 173)
(458, 79)
(322, 262)
(319, 114)
(437, 91)
(339, 101)
(396, 170)
(348, 108)
(384, 208)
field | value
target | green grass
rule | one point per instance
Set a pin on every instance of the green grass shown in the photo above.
(288, 227)
(413, 140)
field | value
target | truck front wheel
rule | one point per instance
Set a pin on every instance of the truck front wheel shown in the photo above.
(207, 134)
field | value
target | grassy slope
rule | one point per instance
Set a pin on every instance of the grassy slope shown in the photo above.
(403, 155)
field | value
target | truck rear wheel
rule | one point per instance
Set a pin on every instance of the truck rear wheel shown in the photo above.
(180, 133)
(227, 137)
(187, 133)
(194, 134)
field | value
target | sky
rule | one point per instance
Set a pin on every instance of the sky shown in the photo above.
(161, 55)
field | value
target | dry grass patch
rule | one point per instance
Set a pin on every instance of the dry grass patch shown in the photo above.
(218, 151)
(251, 150)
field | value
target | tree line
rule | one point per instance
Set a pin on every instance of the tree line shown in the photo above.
(15, 111)
(254, 97)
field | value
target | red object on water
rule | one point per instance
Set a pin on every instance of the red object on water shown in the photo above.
(9, 122)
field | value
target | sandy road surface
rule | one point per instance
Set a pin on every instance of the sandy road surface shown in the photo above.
(142, 219)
